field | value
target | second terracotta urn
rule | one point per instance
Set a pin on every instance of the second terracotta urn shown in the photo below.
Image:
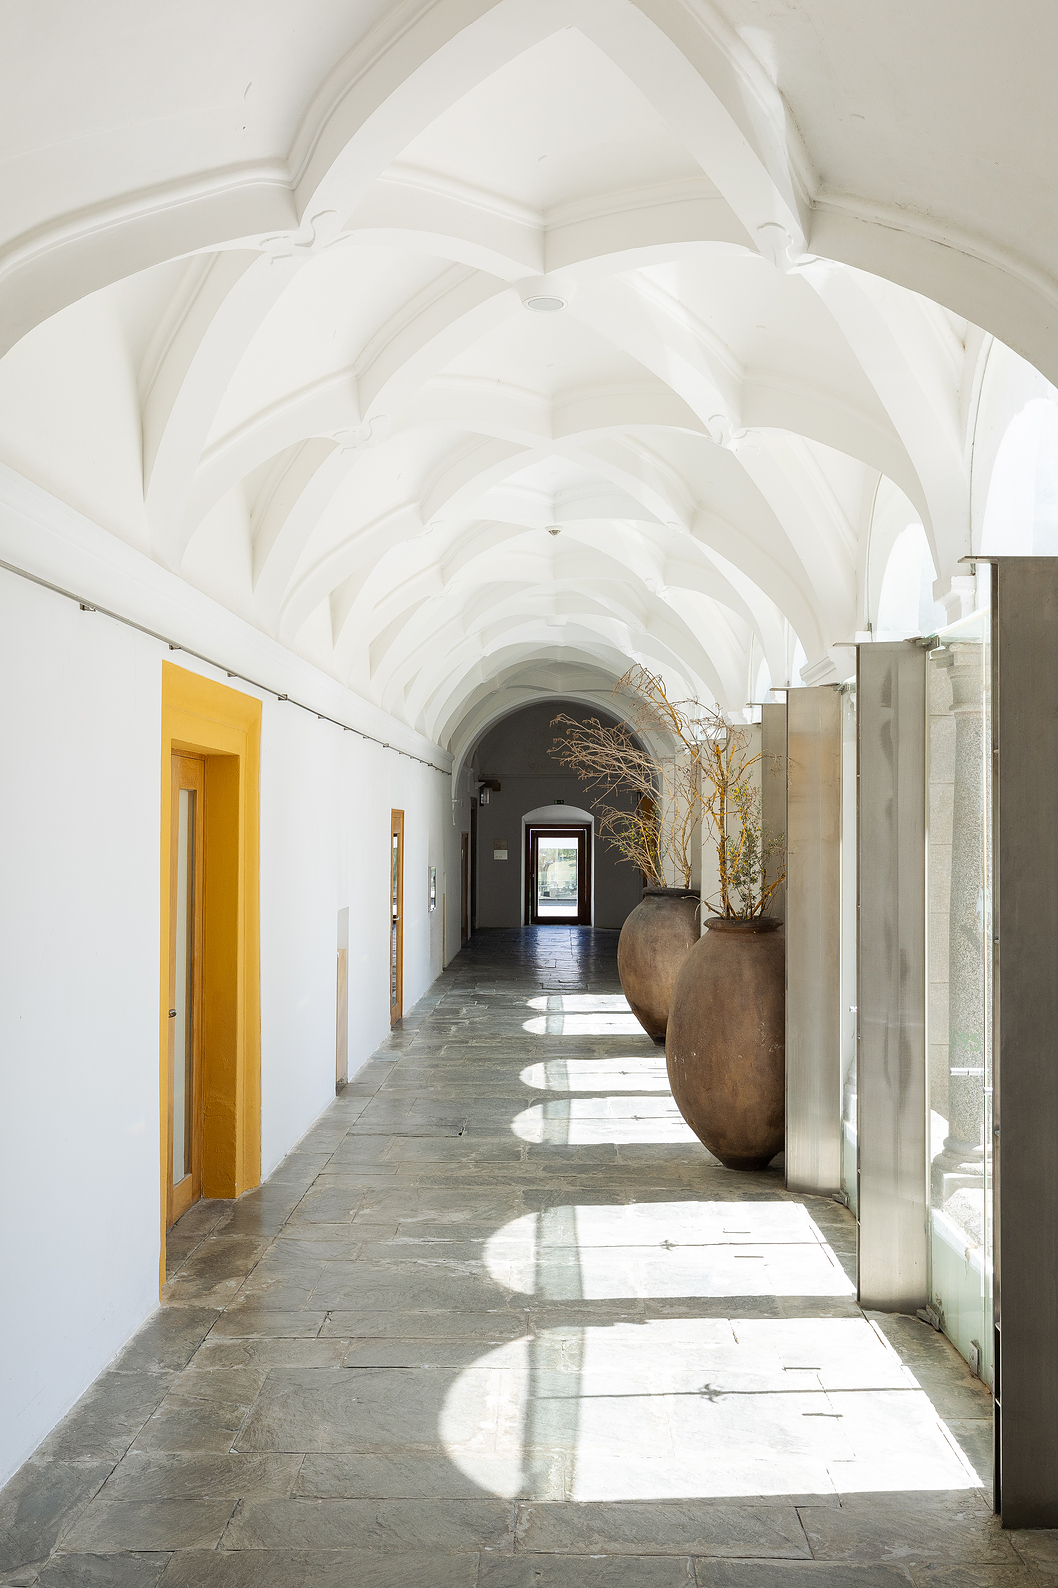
(655, 940)
(726, 1043)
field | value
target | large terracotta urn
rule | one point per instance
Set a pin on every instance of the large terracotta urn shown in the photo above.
(726, 1043)
(655, 940)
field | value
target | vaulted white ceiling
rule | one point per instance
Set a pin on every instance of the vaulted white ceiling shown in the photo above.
(267, 275)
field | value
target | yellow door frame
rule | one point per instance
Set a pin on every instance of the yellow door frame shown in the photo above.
(223, 726)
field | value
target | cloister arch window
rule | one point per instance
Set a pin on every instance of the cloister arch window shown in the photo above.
(762, 688)
(905, 603)
(1021, 513)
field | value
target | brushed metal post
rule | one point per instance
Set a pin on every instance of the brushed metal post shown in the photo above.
(773, 789)
(891, 1103)
(813, 940)
(1025, 1081)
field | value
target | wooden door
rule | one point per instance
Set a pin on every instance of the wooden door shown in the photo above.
(186, 872)
(396, 930)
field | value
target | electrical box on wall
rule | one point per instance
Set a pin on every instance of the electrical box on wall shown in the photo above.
(499, 850)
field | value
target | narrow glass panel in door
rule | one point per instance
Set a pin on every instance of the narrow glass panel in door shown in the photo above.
(396, 926)
(185, 1000)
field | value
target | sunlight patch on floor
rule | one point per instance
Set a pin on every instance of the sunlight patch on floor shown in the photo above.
(582, 1015)
(699, 1408)
(639, 1074)
(601, 1024)
(666, 1250)
(596, 1121)
(572, 1003)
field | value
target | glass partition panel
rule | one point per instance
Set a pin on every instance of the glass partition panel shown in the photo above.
(959, 850)
(849, 1177)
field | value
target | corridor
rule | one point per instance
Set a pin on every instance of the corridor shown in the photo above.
(501, 1321)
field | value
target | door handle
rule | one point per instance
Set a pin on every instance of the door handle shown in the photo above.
(172, 1014)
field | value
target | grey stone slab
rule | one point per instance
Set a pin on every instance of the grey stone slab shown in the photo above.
(364, 1410)
(610, 1571)
(796, 1574)
(196, 1475)
(933, 1576)
(1039, 1549)
(402, 1476)
(262, 1216)
(356, 1177)
(299, 1169)
(42, 1499)
(960, 1397)
(444, 1527)
(365, 1150)
(663, 1527)
(215, 1270)
(202, 1218)
(449, 1206)
(254, 1351)
(286, 1265)
(169, 1339)
(339, 1568)
(177, 1252)
(378, 1121)
(369, 1286)
(110, 1525)
(974, 1438)
(450, 1355)
(255, 1316)
(489, 1327)
(347, 1235)
(203, 1411)
(103, 1571)
(903, 1530)
(108, 1416)
(328, 1204)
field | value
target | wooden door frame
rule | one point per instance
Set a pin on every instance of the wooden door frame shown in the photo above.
(396, 1003)
(223, 726)
(186, 772)
(582, 832)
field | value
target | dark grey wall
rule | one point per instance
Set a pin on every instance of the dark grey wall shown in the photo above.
(515, 752)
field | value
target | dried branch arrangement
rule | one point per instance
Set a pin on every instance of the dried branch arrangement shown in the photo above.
(708, 778)
(648, 810)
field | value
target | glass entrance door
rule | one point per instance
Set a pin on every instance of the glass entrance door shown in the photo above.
(557, 884)
(396, 927)
(185, 985)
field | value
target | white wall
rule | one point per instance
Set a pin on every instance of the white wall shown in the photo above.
(80, 723)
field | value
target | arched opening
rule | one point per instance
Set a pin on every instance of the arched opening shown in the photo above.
(905, 601)
(1021, 512)
(535, 792)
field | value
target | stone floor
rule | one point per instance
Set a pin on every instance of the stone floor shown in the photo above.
(501, 1322)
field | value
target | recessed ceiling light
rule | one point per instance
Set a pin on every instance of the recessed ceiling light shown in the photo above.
(545, 305)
